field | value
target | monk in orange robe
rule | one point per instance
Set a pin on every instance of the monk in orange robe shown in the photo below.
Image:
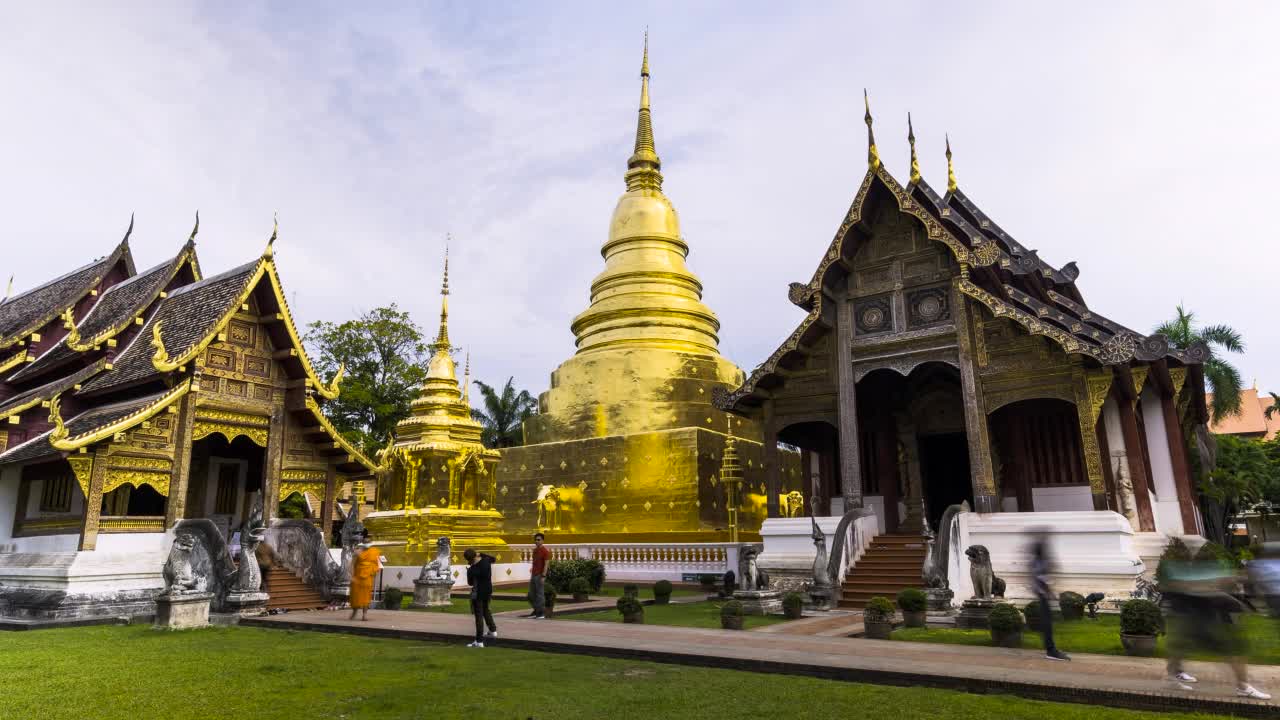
(364, 567)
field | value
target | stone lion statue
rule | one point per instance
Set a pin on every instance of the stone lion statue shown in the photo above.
(750, 576)
(179, 576)
(980, 570)
(438, 568)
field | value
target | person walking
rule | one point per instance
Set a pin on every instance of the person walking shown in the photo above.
(538, 578)
(480, 578)
(1041, 566)
(364, 568)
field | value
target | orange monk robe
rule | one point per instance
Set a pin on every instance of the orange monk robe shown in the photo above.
(363, 570)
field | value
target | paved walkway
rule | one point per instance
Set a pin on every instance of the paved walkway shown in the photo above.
(1094, 679)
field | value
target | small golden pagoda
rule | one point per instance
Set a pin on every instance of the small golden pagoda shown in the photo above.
(626, 440)
(436, 478)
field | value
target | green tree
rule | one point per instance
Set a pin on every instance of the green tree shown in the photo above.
(386, 358)
(1274, 407)
(504, 413)
(1243, 476)
(1221, 377)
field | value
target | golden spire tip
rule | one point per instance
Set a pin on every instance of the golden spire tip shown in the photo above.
(195, 228)
(644, 64)
(275, 232)
(915, 162)
(952, 185)
(873, 154)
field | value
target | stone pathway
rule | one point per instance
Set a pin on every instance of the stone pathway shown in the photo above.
(1094, 679)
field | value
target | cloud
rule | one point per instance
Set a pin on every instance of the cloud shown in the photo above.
(1137, 140)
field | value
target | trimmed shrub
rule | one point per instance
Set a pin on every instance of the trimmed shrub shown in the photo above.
(1141, 617)
(549, 595)
(1032, 613)
(661, 588)
(879, 609)
(631, 590)
(562, 572)
(629, 605)
(1175, 552)
(579, 587)
(392, 598)
(1072, 605)
(1213, 552)
(998, 586)
(731, 609)
(912, 600)
(793, 605)
(1005, 618)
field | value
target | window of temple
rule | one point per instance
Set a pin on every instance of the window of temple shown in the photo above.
(55, 495)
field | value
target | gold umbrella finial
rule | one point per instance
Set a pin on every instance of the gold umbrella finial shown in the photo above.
(952, 185)
(644, 167)
(442, 336)
(915, 161)
(873, 154)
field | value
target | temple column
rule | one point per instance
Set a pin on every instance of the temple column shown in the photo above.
(271, 463)
(985, 498)
(175, 508)
(1126, 498)
(1178, 450)
(1136, 466)
(1091, 394)
(330, 497)
(93, 502)
(914, 520)
(1169, 517)
(772, 468)
(847, 407)
(886, 445)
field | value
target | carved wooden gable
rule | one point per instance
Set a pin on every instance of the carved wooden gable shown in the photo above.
(238, 365)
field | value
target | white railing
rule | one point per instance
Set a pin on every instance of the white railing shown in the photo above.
(647, 561)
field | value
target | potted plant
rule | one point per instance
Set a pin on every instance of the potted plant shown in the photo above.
(392, 598)
(708, 582)
(998, 587)
(549, 599)
(662, 592)
(1140, 623)
(631, 609)
(793, 605)
(731, 615)
(877, 618)
(1006, 626)
(1032, 613)
(580, 588)
(631, 590)
(913, 602)
(1072, 605)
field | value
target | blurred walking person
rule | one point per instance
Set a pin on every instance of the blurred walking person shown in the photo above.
(1041, 566)
(364, 568)
(480, 578)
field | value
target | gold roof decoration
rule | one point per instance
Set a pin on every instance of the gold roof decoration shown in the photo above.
(69, 322)
(644, 167)
(915, 161)
(952, 185)
(873, 154)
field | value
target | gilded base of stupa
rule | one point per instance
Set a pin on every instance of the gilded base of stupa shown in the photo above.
(408, 537)
(660, 486)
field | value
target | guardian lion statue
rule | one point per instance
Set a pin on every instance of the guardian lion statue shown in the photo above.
(438, 568)
(180, 577)
(751, 577)
(980, 570)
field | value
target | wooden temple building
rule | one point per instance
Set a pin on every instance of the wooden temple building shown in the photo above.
(132, 400)
(940, 361)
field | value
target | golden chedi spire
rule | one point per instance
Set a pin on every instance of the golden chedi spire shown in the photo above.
(646, 322)
(952, 185)
(915, 161)
(873, 154)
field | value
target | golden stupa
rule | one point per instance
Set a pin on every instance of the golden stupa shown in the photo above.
(626, 440)
(436, 479)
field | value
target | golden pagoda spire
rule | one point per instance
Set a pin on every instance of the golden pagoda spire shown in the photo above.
(873, 155)
(952, 185)
(442, 337)
(466, 381)
(644, 167)
(915, 162)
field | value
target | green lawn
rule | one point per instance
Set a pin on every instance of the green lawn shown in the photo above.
(646, 591)
(697, 614)
(1102, 636)
(136, 673)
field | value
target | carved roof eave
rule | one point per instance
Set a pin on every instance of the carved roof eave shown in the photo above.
(119, 425)
(46, 392)
(121, 252)
(185, 256)
(167, 361)
(13, 361)
(1021, 260)
(337, 437)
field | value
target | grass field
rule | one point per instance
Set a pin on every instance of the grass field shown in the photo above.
(136, 673)
(697, 614)
(1102, 636)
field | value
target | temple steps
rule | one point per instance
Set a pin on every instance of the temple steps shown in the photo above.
(891, 563)
(287, 591)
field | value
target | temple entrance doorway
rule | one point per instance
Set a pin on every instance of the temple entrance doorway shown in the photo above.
(224, 476)
(944, 468)
(819, 444)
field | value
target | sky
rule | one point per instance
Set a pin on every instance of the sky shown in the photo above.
(1138, 139)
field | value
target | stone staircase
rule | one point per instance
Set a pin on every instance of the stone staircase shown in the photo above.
(892, 563)
(287, 591)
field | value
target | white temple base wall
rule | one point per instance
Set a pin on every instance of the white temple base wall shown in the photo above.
(1074, 498)
(121, 577)
(789, 551)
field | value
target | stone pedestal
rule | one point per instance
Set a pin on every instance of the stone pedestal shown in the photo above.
(247, 604)
(179, 612)
(824, 598)
(759, 602)
(432, 593)
(939, 601)
(975, 614)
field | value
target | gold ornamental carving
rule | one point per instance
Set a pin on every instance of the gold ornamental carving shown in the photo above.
(1178, 376)
(231, 425)
(289, 487)
(82, 468)
(1139, 379)
(1099, 387)
(117, 477)
(304, 476)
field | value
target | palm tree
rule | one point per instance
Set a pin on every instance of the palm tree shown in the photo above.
(1221, 376)
(504, 413)
(1275, 406)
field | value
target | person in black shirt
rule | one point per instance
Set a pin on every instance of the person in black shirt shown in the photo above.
(480, 578)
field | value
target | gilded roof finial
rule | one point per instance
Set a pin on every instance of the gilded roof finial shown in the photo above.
(59, 431)
(8, 290)
(128, 232)
(442, 337)
(644, 167)
(275, 231)
(915, 162)
(69, 322)
(194, 230)
(873, 155)
(466, 381)
(952, 185)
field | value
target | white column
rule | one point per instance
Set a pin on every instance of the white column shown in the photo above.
(9, 478)
(1120, 462)
(1168, 514)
